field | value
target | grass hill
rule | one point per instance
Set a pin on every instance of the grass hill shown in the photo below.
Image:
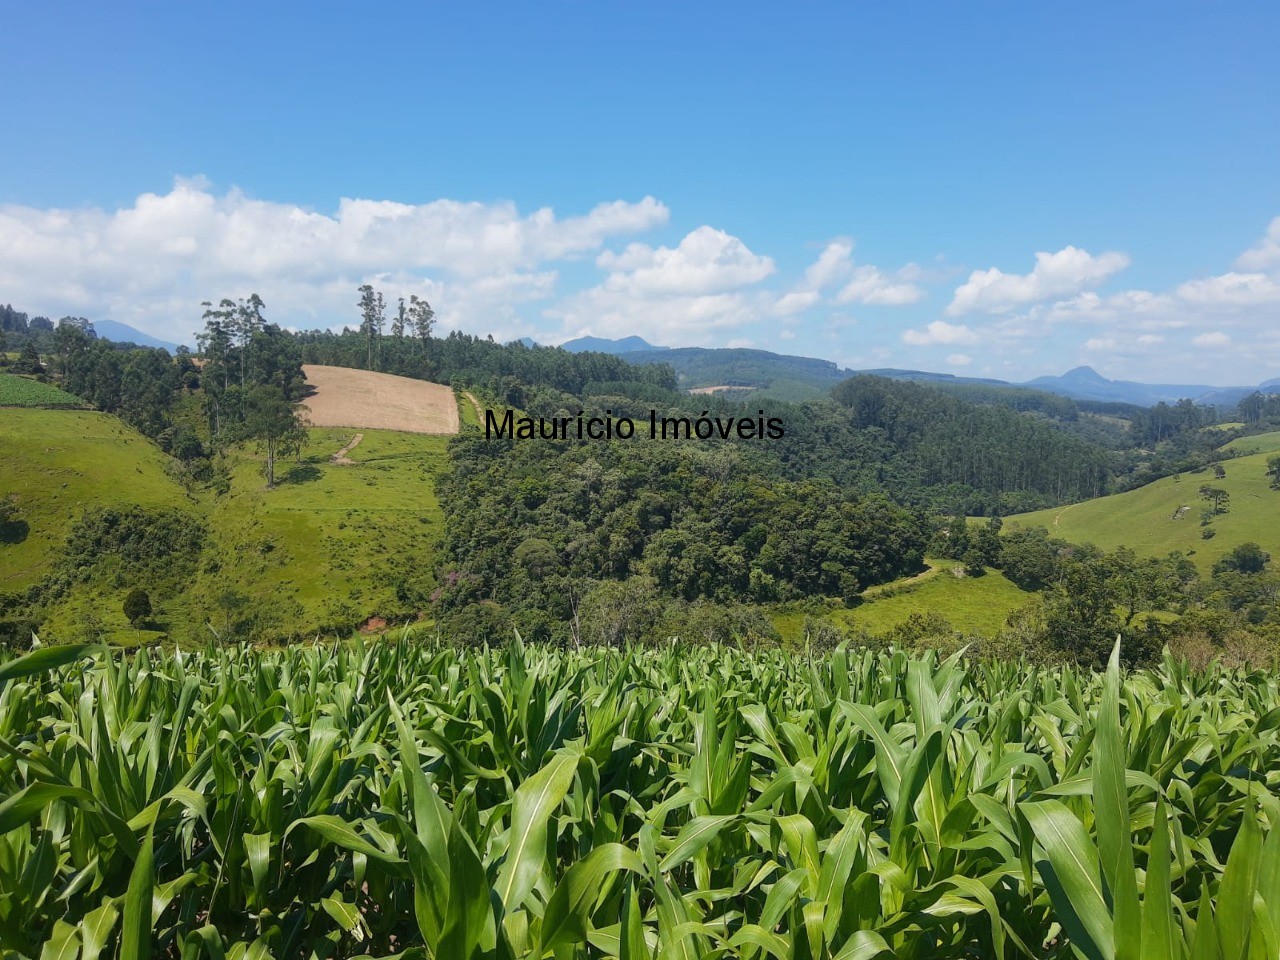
(348, 534)
(333, 544)
(972, 604)
(1152, 519)
(58, 463)
(1258, 443)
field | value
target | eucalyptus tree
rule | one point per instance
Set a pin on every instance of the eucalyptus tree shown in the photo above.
(372, 317)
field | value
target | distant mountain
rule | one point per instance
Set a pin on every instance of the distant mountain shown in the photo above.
(123, 333)
(924, 376)
(797, 378)
(526, 341)
(604, 345)
(1085, 383)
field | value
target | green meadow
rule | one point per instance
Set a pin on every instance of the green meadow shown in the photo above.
(329, 544)
(1259, 443)
(972, 604)
(58, 463)
(1151, 520)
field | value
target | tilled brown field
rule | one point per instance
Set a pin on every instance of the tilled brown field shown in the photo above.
(378, 401)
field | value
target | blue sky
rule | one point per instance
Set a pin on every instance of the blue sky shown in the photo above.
(988, 189)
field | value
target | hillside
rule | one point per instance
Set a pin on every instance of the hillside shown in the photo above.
(339, 540)
(1258, 443)
(58, 463)
(1151, 520)
(334, 543)
(605, 345)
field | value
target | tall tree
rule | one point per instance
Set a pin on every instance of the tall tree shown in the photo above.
(276, 423)
(372, 316)
(421, 317)
(398, 324)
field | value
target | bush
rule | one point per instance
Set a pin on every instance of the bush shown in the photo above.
(137, 606)
(481, 624)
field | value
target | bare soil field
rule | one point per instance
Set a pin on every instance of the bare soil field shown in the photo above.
(378, 401)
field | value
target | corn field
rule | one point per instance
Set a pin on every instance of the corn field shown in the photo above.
(394, 799)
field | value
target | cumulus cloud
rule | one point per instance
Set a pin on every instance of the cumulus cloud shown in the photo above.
(1092, 308)
(865, 284)
(832, 265)
(796, 301)
(1060, 274)
(683, 295)
(959, 360)
(940, 332)
(871, 285)
(1266, 255)
(707, 261)
(1232, 290)
(150, 264)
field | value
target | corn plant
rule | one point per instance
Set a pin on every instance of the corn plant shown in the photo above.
(426, 801)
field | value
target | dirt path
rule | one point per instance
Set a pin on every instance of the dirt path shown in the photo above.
(341, 456)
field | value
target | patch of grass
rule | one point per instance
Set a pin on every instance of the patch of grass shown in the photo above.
(1258, 443)
(18, 391)
(467, 414)
(973, 604)
(58, 463)
(1143, 519)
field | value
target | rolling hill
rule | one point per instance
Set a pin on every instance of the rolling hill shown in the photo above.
(348, 533)
(58, 463)
(1152, 519)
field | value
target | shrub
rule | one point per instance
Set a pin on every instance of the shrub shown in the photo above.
(137, 606)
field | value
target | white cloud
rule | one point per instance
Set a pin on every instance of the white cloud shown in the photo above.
(1100, 343)
(150, 264)
(940, 332)
(1060, 274)
(796, 301)
(1231, 290)
(860, 284)
(832, 265)
(871, 285)
(1266, 254)
(679, 296)
(1215, 339)
(1092, 308)
(706, 261)
(959, 360)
